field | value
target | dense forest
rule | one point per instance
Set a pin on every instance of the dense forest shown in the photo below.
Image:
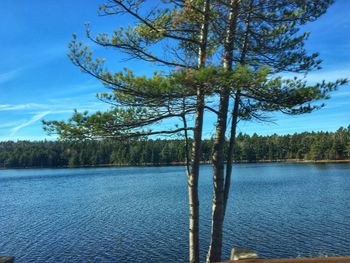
(254, 148)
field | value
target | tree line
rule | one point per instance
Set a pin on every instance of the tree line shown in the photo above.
(249, 148)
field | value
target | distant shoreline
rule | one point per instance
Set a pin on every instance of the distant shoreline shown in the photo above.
(296, 161)
(319, 161)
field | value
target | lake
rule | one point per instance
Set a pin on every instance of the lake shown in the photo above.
(141, 214)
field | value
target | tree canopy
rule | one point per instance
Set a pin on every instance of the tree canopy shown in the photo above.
(217, 54)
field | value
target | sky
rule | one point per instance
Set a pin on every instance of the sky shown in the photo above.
(37, 80)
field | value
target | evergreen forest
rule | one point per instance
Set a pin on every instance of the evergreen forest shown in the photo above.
(312, 146)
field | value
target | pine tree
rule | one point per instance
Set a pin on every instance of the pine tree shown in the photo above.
(255, 39)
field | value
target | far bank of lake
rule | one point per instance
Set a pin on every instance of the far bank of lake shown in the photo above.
(288, 161)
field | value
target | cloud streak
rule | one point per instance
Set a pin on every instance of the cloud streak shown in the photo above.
(54, 105)
(10, 124)
(9, 75)
(34, 119)
(45, 55)
(328, 75)
(27, 106)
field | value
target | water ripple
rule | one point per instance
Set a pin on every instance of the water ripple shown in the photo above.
(141, 214)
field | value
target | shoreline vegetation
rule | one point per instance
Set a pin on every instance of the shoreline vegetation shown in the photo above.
(288, 161)
(306, 147)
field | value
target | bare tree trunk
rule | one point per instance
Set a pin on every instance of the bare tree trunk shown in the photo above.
(193, 198)
(196, 147)
(235, 113)
(230, 150)
(214, 253)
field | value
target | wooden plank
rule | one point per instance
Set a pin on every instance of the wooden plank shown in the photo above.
(294, 260)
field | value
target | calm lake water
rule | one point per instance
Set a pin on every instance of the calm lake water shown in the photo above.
(140, 214)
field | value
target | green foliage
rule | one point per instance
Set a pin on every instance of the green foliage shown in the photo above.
(302, 146)
(140, 102)
(115, 123)
(162, 96)
(266, 43)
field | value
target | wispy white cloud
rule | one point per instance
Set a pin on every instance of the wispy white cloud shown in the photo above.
(324, 74)
(55, 105)
(34, 119)
(10, 124)
(26, 106)
(9, 75)
(44, 56)
(328, 75)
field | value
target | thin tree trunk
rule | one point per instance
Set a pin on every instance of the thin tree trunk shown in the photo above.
(235, 114)
(230, 149)
(193, 198)
(196, 148)
(214, 253)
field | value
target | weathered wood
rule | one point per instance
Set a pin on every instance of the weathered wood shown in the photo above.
(242, 253)
(7, 259)
(295, 260)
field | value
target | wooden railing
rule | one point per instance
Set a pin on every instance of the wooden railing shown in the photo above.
(295, 260)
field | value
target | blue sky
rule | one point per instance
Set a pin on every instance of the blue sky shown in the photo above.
(38, 81)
